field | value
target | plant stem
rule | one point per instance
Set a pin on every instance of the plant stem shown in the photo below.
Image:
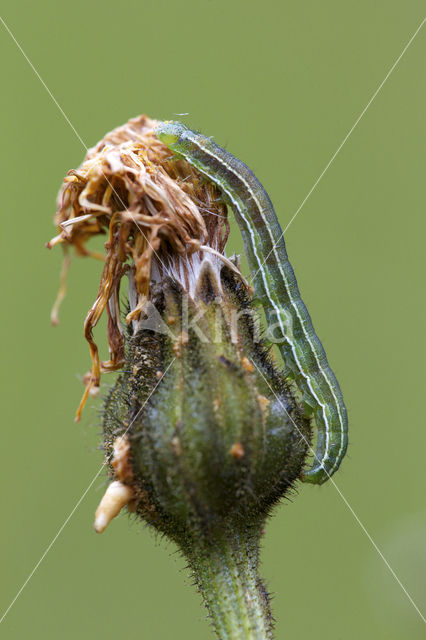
(226, 574)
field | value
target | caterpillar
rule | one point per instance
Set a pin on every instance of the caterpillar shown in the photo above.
(276, 286)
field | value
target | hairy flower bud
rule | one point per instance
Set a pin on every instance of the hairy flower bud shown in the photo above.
(222, 437)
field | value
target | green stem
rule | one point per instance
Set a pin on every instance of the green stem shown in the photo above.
(226, 574)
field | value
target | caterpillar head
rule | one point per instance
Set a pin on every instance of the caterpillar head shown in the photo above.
(171, 133)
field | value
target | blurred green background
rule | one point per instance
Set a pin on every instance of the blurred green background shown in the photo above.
(280, 84)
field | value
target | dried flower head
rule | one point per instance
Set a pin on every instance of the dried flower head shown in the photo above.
(161, 217)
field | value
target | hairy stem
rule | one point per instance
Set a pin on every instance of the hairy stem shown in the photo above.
(225, 570)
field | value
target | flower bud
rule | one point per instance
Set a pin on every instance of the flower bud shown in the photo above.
(215, 435)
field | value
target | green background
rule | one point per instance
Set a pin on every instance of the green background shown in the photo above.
(280, 84)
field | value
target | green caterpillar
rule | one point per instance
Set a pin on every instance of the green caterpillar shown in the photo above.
(275, 284)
